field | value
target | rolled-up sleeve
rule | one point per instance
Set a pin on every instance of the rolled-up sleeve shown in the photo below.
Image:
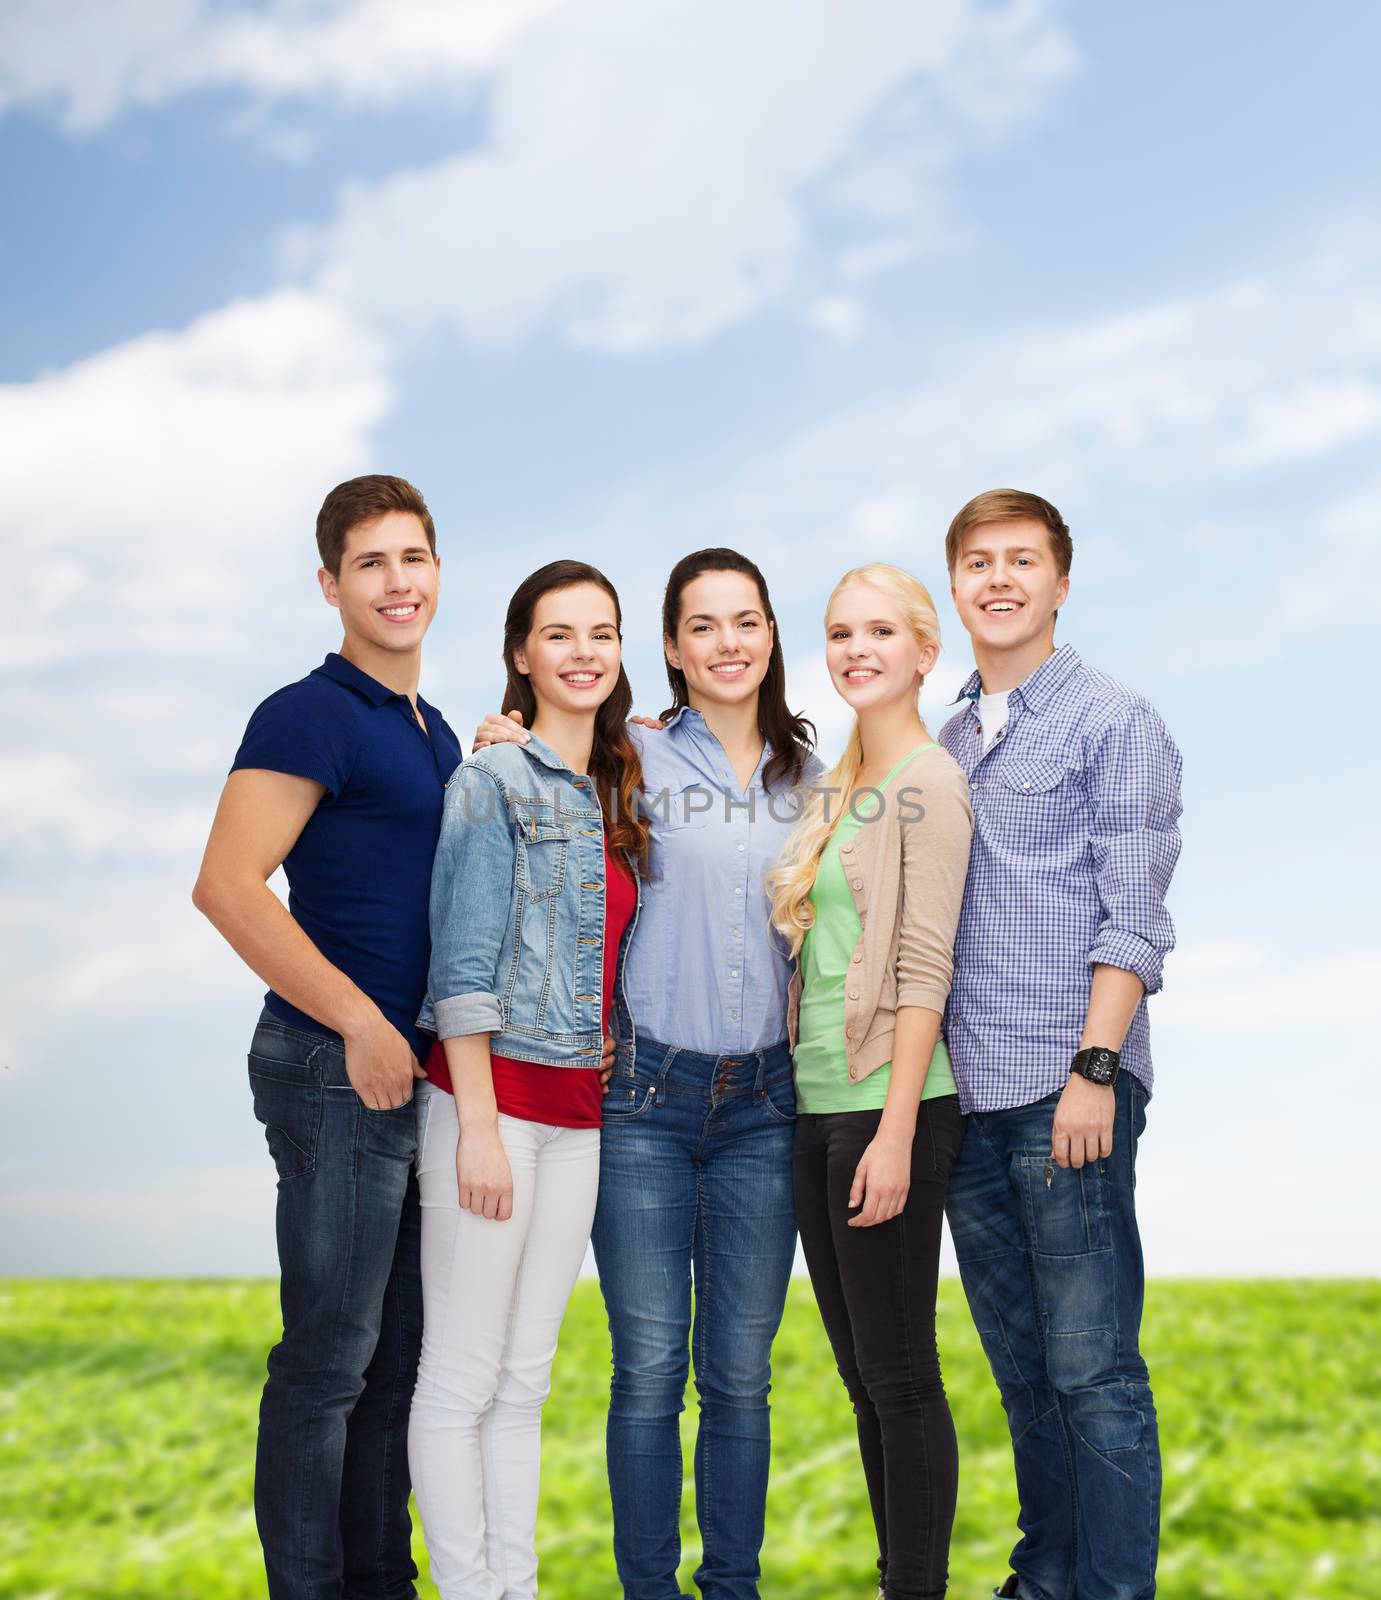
(471, 904)
(1134, 788)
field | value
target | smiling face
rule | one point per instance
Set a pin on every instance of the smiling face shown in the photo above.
(1007, 587)
(387, 586)
(874, 657)
(572, 651)
(723, 640)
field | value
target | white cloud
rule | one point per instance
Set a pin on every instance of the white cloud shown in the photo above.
(652, 184)
(157, 476)
(90, 60)
(1253, 988)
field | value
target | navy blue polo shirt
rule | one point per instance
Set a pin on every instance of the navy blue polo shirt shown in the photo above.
(359, 876)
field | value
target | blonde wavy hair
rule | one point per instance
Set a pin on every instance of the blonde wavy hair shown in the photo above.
(791, 880)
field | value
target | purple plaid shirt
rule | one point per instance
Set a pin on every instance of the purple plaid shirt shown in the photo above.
(1074, 841)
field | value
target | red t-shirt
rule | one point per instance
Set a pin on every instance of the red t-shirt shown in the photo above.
(568, 1097)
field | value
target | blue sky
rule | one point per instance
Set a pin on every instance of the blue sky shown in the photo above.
(616, 281)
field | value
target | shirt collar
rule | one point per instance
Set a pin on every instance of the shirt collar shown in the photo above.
(339, 670)
(547, 756)
(1037, 690)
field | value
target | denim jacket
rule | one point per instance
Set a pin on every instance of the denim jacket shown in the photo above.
(517, 908)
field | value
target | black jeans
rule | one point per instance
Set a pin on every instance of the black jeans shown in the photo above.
(876, 1291)
(331, 1479)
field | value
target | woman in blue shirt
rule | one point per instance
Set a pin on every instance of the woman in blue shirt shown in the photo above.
(695, 1161)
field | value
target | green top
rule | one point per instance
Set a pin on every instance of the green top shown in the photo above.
(822, 1070)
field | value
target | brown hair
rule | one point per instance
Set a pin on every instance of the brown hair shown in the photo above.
(615, 764)
(791, 737)
(1010, 505)
(359, 500)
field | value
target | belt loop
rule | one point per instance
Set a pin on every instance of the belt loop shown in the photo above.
(759, 1085)
(659, 1094)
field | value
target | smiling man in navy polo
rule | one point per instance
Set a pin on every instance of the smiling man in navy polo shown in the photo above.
(339, 779)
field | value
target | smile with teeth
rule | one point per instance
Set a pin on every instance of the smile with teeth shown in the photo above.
(1002, 607)
(580, 679)
(728, 669)
(401, 613)
(861, 674)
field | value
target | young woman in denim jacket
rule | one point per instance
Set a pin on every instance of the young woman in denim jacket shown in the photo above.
(695, 1168)
(868, 893)
(533, 888)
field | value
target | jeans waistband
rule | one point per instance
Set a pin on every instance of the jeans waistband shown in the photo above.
(696, 1069)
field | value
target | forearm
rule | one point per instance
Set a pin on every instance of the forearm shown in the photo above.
(1113, 999)
(472, 1080)
(260, 929)
(913, 1044)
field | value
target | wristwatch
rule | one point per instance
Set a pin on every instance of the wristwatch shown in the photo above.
(1097, 1065)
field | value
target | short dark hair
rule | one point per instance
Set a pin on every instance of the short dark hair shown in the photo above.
(1010, 505)
(360, 500)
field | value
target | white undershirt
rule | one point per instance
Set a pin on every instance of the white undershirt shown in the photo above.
(992, 715)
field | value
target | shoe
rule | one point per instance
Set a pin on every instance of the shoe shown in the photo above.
(1008, 1589)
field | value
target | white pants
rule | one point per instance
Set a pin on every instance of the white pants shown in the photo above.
(494, 1294)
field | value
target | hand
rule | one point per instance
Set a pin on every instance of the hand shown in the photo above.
(484, 1179)
(1082, 1129)
(500, 730)
(606, 1061)
(648, 722)
(882, 1181)
(379, 1064)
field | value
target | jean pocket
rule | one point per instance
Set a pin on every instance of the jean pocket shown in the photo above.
(289, 1103)
(1065, 1206)
(626, 1098)
(779, 1099)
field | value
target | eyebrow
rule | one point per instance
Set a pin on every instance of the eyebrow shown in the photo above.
(373, 555)
(570, 626)
(873, 622)
(704, 616)
(1015, 550)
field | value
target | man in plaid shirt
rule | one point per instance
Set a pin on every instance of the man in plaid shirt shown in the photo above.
(1075, 789)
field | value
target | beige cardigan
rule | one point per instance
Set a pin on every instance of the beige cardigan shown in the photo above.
(907, 875)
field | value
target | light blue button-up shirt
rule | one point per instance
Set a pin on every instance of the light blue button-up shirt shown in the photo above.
(705, 969)
(1075, 812)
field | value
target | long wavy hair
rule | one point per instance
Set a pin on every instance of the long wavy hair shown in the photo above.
(791, 737)
(614, 763)
(791, 880)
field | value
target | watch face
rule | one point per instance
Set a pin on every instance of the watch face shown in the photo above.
(1100, 1066)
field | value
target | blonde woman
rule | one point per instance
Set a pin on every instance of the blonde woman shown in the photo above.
(867, 892)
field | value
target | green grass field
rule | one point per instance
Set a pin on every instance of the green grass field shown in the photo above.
(128, 1413)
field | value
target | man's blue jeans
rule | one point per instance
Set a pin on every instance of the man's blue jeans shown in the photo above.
(695, 1178)
(1051, 1263)
(331, 1479)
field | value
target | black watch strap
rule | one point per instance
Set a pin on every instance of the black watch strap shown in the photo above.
(1097, 1065)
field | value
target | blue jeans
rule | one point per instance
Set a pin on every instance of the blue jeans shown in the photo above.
(695, 1181)
(1051, 1263)
(331, 1478)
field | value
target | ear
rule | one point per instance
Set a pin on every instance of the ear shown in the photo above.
(520, 660)
(1062, 591)
(673, 655)
(328, 587)
(930, 654)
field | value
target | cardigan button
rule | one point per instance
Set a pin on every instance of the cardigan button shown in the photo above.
(853, 1072)
(853, 994)
(858, 955)
(858, 883)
